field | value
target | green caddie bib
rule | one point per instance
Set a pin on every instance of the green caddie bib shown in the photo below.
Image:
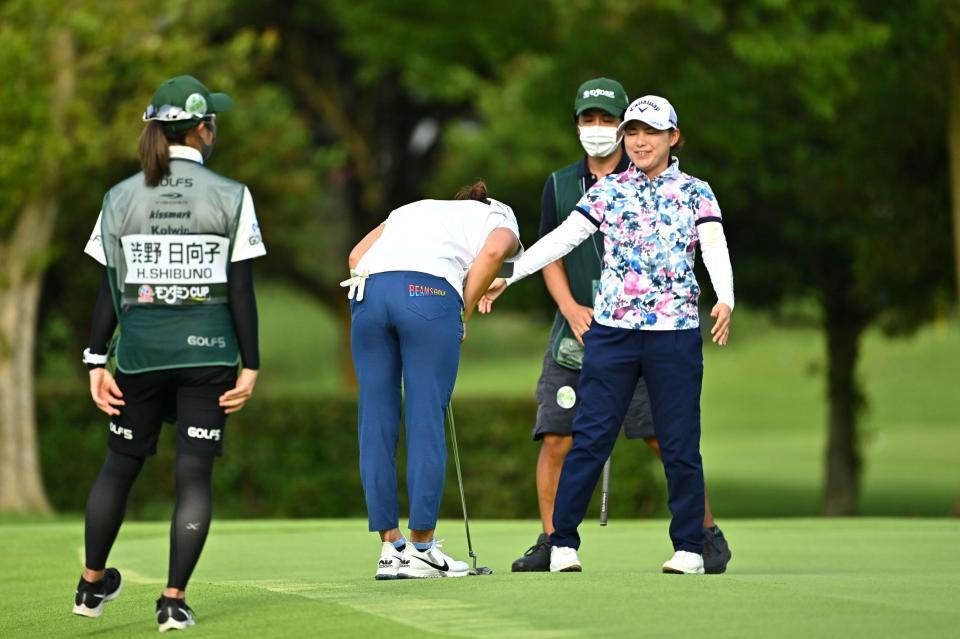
(168, 258)
(583, 265)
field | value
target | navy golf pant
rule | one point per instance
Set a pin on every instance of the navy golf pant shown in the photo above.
(407, 328)
(671, 363)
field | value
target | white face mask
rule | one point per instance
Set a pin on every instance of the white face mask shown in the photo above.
(599, 141)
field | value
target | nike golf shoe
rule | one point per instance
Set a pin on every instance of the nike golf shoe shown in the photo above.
(564, 559)
(684, 563)
(91, 596)
(174, 614)
(421, 564)
(390, 561)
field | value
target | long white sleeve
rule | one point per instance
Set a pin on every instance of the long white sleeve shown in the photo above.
(554, 245)
(716, 257)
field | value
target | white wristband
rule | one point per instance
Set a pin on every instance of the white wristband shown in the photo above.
(91, 358)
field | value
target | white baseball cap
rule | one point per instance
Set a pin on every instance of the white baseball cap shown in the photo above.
(653, 110)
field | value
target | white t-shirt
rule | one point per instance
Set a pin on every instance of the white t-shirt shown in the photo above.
(439, 237)
(247, 245)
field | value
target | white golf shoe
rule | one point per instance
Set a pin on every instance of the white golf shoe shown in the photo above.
(390, 561)
(684, 563)
(564, 559)
(416, 564)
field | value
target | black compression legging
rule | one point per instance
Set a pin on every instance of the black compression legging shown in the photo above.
(191, 518)
(107, 504)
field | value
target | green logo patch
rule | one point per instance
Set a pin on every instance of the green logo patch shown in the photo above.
(196, 105)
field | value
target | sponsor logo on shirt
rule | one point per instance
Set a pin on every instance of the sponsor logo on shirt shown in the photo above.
(207, 342)
(145, 294)
(167, 215)
(416, 290)
(174, 294)
(169, 230)
(175, 182)
(255, 238)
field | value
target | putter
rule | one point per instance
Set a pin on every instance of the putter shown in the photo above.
(605, 493)
(482, 570)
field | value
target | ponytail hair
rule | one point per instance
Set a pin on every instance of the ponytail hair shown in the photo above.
(476, 191)
(154, 153)
(155, 141)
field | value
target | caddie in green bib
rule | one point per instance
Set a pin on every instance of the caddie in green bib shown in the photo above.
(177, 242)
(168, 249)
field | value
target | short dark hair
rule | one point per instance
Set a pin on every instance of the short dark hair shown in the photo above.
(675, 148)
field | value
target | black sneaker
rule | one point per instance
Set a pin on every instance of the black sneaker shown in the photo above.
(174, 614)
(91, 596)
(537, 557)
(716, 551)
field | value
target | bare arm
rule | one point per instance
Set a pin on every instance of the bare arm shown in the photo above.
(363, 246)
(500, 244)
(577, 315)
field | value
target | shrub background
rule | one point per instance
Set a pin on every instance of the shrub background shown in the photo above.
(298, 457)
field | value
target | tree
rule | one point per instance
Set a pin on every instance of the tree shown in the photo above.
(377, 82)
(79, 76)
(836, 206)
(785, 106)
(951, 14)
(22, 252)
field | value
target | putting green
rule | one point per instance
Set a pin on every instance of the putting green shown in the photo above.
(789, 578)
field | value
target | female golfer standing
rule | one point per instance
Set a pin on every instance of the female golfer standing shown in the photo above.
(645, 323)
(409, 312)
(178, 242)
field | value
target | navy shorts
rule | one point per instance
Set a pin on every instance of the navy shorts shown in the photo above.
(191, 395)
(554, 419)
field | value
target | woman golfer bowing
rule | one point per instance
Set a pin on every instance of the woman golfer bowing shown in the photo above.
(646, 322)
(409, 312)
(177, 241)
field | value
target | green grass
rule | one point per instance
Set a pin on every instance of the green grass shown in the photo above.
(789, 578)
(764, 421)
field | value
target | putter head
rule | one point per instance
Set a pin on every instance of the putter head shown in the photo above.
(475, 571)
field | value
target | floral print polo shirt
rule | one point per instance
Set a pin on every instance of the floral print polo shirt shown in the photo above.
(650, 240)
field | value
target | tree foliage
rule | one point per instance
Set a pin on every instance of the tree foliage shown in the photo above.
(819, 124)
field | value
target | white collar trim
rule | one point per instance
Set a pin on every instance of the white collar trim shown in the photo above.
(185, 153)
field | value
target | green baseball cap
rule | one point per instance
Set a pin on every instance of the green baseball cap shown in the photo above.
(601, 93)
(184, 99)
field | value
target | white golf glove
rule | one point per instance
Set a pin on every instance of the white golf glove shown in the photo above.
(356, 282)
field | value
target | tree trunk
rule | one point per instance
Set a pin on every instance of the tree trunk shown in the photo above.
(952, 20)
(844, 463)
(23, 259)
(21, 485)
